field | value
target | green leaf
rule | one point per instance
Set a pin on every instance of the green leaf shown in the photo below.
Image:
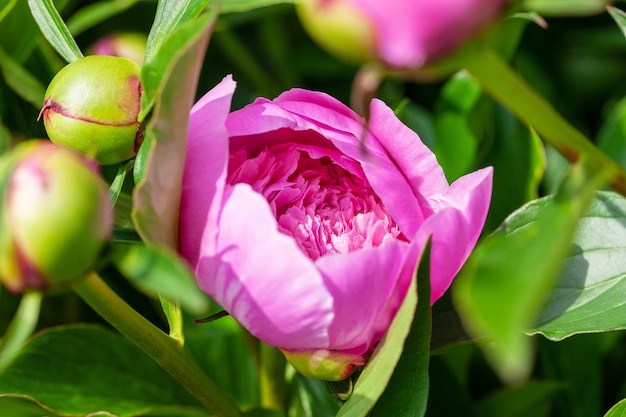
(108, 373)
(612, 133)
(508, 277)
(233, 6)
(531, 399)
(158, 271)
(406, 395)
(94, 14)
(21, 81)
(456, 144)
(619, 16)
(618, 410)
(54, 29)
(5, 138)
(379, 370)
(589, 294)
(170, 15)
(171, 80)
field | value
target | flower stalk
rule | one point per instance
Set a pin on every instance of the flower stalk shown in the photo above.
(164, 350)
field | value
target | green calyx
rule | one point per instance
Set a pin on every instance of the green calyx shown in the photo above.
(327, 365)
(92, 105)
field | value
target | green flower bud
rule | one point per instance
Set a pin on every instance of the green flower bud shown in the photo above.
(340, 28)
(92, 105)
(327, 365)
(55, 216)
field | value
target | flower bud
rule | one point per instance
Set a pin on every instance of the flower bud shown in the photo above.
(92, 105)
(55, 218)
(400, 34)
(131, 45)
(327, 365)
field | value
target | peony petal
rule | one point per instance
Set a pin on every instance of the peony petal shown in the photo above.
(205, 169)
(306, 110)
(361, 283)
(456, 226)
(262, 278)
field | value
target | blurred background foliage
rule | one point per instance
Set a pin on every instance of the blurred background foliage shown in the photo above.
(576, 63)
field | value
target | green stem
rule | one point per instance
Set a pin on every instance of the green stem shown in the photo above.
(272, 378)
(22, 326)
(164, 350)
(506, 86)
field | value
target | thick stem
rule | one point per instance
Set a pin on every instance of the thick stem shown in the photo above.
(502, 83)
(165, 351)
(272, 378)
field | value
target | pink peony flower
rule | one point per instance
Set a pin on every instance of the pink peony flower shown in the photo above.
(402, 33)
(307, 228)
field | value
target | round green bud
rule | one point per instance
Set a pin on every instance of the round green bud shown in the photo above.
(55, 218)
(92, 105)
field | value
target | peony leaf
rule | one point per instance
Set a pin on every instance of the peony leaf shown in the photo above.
(533, 398)
(235, 6)
(94, 14)
(456, 145)
(172, 78)
(505, 281)
(589, 294)
(109, 374)
(619, 16)
(406, 395)
(22, 82)
(618, 410)
(54, 29)
(380, 369)
(158, 271)
(612, 133)
(170, 15)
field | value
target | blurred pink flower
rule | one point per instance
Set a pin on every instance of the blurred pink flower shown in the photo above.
(307, 228)
(403, 33)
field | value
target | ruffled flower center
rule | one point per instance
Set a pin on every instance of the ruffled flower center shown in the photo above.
(323, 206)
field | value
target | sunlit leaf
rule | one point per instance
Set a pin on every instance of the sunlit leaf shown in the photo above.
(108, 373)
(503, 285)
(172, 77)
(589, 296)
(170, 15)
(54, 29)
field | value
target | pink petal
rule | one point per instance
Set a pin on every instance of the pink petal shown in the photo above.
(411, 33)
(361, 283)
(306, 110)
(455, 227)
(205, 170)
(262, 278)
